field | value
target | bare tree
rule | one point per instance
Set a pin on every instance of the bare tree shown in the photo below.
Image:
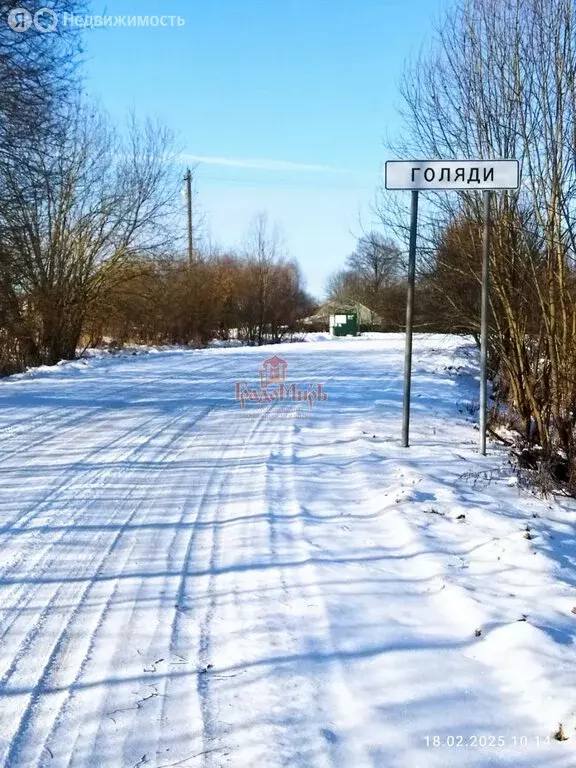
(376, 261)
(371, 277)
(344, 286)
(69, 214)
(262, 252)
(38, 75)
(500, 81)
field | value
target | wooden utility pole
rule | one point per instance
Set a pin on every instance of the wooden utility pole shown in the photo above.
(188, 180)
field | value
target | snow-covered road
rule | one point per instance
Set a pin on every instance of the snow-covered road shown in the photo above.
(185, 582)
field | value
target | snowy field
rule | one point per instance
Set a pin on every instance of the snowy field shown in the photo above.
(184, 582)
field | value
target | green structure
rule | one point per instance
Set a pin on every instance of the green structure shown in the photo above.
(344, 324)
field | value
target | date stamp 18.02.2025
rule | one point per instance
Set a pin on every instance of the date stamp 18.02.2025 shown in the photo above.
(485, 741)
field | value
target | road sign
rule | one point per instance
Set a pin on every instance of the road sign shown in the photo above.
(421, 176)
(452, 174)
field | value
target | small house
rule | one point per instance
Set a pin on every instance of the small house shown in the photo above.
(325, 315)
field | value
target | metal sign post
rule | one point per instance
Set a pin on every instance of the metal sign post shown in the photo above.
(484, 323)
(422, 175)
(409, 315)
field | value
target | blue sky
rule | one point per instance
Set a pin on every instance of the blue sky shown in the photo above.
(285, 104)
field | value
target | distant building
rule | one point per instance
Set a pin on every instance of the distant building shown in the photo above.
(344, 324)
(322, 315)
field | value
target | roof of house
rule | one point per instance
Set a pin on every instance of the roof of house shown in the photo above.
(365, 314)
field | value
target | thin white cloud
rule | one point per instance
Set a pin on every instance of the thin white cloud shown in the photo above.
(258, 164)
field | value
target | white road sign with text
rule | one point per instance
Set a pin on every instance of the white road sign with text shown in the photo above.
(452, 174)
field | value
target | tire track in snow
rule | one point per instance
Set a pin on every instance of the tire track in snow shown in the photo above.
(311, 690)
(206, 658)
(205, 650)
(330, 714)
(216, 692)
(43, 562)
(34, 508)
(65, 426)
(52, 417)
(132, 455)
(180, 642)
(202, 554)
(124, 629)
(50, 670)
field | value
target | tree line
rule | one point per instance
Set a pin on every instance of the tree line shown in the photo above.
(498, 80)
(255, 295)
(90, 226)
